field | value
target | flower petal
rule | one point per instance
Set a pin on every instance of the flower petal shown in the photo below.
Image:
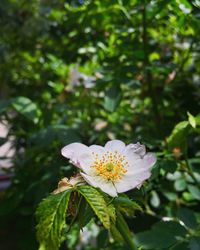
(137, 148)
(140, 166)
(115, 145)
(131, 181)
(79, 154)
(98, 182)
(97, 149)
(150, 159)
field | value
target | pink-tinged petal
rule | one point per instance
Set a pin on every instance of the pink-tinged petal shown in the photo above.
(73, 150)
(141, 164)
(137, 148)
(132, 157)
(96, 149)
(98, 182)
(80, 155)
(129, 182)
(115, 145)
(150, 159)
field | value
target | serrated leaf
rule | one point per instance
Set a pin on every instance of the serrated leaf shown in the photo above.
(50, 215)
(97, 203)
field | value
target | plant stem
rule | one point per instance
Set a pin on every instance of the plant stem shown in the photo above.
(125, 232)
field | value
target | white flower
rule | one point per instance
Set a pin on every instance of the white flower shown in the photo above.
(114, 168)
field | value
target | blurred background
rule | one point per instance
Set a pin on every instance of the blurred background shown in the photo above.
(91, 71)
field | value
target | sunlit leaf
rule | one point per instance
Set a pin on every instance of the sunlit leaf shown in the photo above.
(26, 107)
(97, 203)
(51, 214)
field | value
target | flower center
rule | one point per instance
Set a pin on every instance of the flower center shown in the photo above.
(111, 165)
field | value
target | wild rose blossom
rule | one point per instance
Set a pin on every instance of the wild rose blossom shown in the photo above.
(114, 168)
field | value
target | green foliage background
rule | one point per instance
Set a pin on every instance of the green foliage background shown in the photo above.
(145, 58)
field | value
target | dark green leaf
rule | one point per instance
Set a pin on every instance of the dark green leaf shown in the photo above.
(4, 104)
(169, 166)
(50, 134)
(161, 236)
(194, 243)
(85, 214)
(188, 217)
(112, 99)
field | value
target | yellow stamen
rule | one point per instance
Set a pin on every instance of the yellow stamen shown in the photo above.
(111, 165)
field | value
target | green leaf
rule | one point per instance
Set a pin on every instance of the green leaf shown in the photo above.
(97, 203)
(194, 243)
(126, 205)
(155, 200)
(85, 214)
(26, 107)
(50, 215)
(169, 166)
(161, 236)
(180, 246)
(53, 133)
(110, 205)
(112, 99)
(115, 233)
(188, 217)
(180, 184)
(72, 236)
(123, 229)
(195, 191)
(102, 239)
(191, 120)
(178, 137)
